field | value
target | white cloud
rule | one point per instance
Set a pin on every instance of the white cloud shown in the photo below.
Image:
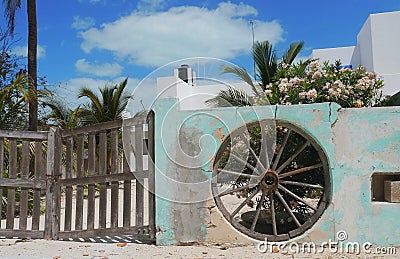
(69, 90)
(82, 23)
(181, 32)
(23, 51)
(104, 70)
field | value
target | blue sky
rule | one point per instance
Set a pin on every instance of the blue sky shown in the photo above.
(91, 42)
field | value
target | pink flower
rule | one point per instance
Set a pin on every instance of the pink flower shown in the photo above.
(312, 94)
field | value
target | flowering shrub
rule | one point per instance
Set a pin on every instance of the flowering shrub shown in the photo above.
(309, 82)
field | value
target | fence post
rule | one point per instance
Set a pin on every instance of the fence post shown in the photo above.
(53, 172)
(151, 167)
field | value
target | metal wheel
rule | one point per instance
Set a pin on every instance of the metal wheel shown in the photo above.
(279, 196)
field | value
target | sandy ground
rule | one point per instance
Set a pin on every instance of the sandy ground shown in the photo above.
(13, 248)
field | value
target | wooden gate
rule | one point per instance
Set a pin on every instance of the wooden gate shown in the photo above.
(93, 187)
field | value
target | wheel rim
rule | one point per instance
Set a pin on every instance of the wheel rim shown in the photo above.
(277, 199)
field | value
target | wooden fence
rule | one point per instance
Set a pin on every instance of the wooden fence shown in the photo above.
(65, 184)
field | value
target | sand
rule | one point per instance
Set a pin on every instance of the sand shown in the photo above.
(14, 248)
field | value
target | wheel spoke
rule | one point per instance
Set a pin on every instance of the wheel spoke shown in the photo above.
(236, 173)
(316, 186)
(253, 153)
(254, 223)
(272, 207)
(287, 162)
(297, 197)
(300, 170)
(244, 202)
(234, 190)
(243, 162)
(278, 156)
(287, 208)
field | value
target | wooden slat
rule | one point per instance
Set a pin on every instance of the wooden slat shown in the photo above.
(79, 188)
(127, 197)
(1, 174)
(92, 129)
(151, 168)
(53, 162)
(57, 191)
(12, 174)
(23, 183)
(139, 167)
(91, 187)
(49, 182)
(69, 159)
(110, 125)
(103, 178)
(24, 191)
(24, 134)
(115, 184)
(36, 191)
(102, 173)
(8, 233)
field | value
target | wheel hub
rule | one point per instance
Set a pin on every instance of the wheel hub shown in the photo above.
(270, 180)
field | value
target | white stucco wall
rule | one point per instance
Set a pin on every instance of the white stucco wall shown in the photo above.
(193, 97)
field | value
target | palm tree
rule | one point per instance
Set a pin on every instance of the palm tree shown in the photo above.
(11, 6)
(267, 68)
(61, 114)
(109, 106)
(13, 99)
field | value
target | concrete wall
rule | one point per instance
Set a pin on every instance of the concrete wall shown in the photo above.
(357, 143)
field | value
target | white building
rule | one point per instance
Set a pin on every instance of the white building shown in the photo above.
(192, 94)
(378, 49)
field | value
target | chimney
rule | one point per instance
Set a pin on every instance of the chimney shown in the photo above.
(186, 74)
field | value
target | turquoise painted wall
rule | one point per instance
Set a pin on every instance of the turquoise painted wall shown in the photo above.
(357, 143)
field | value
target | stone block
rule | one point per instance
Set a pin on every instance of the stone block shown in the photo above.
(392, 191)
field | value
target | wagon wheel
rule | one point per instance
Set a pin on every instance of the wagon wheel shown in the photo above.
(278, 199)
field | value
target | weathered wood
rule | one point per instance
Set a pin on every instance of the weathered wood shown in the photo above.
(24, 134)
(1, 173)
(114, 184)
(151, 175)
(127, 197)
(69, 159)
(102, 179)
(12, 233)
(23, 213)
(91, 187)
(79, 188)
(102, 173)
(139, 167)
(23, 183)
(105, 232)
(56, 206)
(12, 174)
(36, 191)
(52, 188)
(91, 129)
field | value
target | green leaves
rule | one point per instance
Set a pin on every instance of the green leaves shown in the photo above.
(268, 70)
(107, 106)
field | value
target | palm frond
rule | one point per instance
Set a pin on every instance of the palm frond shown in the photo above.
(292, 52)
(230, 97)
(266, 62)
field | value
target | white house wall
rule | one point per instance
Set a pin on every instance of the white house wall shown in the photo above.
(377, 49)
